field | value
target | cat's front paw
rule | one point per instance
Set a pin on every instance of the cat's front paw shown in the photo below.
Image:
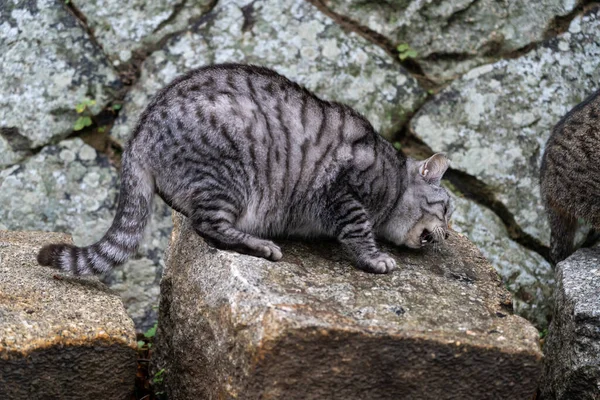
(381, 264)
(265, 249)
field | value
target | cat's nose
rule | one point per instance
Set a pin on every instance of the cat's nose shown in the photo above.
(446, 235)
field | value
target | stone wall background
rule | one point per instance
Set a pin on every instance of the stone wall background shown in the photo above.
(483, 81)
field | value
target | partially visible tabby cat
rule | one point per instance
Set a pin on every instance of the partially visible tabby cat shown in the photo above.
(245, 154)
(570, 175)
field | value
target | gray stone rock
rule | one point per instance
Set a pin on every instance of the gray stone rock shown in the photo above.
(123, 28)
(48, 65)
(301, 43)
(572, 349)
(526, 274)
(451, 37)
(312, 326)
(495, 120)
(60, 337)
(69, 187)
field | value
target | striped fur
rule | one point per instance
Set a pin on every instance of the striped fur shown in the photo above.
(570, 175)
(246, 154)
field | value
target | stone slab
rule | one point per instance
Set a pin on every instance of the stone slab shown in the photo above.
(124, 28)
(60, 337)
(451, 37)
(572, 348)
(312, 326)
(49, 65)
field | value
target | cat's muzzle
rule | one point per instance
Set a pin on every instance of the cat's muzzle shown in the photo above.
(438, 235)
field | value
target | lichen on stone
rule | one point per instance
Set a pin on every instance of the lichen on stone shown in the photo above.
(48, 64)
(452, 37)
(123, 28)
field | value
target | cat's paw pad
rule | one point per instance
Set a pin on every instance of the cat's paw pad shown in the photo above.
(267, 249)
(381, 264)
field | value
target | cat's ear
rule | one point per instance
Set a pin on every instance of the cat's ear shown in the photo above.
(434, 168)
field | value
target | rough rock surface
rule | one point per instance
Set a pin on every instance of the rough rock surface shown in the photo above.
(451, 37)
(524, 272)
(312, 326)
(60, 337)
(70, 188)
(125, 27)
(495, 120)
(302, 44)
(572, 349)
(48, 65)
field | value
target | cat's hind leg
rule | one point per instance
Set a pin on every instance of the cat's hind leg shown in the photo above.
(354, 231)
(562, 231)
(217, 226)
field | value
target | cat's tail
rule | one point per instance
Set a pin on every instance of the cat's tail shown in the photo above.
(124, 235)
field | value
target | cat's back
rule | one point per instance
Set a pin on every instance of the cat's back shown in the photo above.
(249, 104)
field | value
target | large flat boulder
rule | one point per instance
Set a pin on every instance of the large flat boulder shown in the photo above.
(312, 326)
(60, 337)
(572, 349)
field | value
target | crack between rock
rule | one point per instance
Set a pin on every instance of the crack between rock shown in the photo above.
(456, 14)
(176, 11)
(560, 24)
(76, 12)
(249, 21)
(557, 26)
(101, 142)
(349, 25)
(132, 69)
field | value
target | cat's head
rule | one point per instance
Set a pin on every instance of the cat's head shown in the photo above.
(423, 213)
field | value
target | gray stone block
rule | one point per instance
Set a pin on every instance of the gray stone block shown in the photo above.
(312, 326)
(451, 37)
(572, 349)
(60, 337)
(48, 65)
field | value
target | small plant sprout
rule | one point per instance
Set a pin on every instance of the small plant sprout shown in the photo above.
(85, 117)
(158, 377)
(150, 333)
(404, 51)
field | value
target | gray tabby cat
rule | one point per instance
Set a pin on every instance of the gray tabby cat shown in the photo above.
(245, 153)
(570, 175)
